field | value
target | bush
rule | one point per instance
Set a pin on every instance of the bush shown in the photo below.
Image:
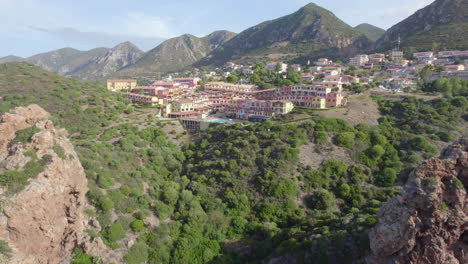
(345, 139)
(320, 200)
(59, 151)
(24, 135)
(387, 177)
(138, 226)
(5, 249)
(137, 254)
(114, 233)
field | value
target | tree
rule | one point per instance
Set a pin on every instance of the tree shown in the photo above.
(138, 226)
(345, 139)
(321, 200)
(232, 78)
(387, 177)
(137, 254)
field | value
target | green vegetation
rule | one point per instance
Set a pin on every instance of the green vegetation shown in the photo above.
(24, 135)
(5, 250)
(79, 257)
(59, 151)
(266, 79)
(15, 181)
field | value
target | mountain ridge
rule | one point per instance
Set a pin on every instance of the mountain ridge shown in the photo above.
(371, 31)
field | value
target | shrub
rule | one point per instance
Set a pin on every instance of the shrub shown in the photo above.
(115, 232)
(59, 151)
(345, 139)
(321, 200)
(24, 135)
(138, 226)
(320, 137)
(387, 177)
(137, 254)
(5, 249)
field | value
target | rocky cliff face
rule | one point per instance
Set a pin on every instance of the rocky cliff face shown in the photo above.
(428, 221)
(115, 59)
(43, 222)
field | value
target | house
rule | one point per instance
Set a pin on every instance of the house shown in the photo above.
(376, 58)
(359, 60)
(295, 67)
(323, 62)
(330, 72)
(118, 85)
(427, 57)
(460, 67)
(190, 81)
(307, 77)
(260, 109)
(182, 105)
(142, 99)
(273, 66)
(315, 69)
(397, 56)
(398, 83)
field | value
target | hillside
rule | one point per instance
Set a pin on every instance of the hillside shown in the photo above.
(311, 31)
(65, 61)
(237, 193)
(10, 59)
(113, 60)
(440, 25)
(175, 54)
(372, 32)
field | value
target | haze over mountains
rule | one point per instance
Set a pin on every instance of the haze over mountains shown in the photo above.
(309, 33)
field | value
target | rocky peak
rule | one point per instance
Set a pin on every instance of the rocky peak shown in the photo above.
(428, 221)
(42, 222)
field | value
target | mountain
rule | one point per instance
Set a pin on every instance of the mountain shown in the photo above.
(10, 58)
(65, 61)
(176, 54)
(311, 31)
(113, 60)
(442, 24)
(372, 32)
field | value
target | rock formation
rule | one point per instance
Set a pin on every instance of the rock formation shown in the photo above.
(428, 221)
(42, 223)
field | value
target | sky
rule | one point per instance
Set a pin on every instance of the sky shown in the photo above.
(30, 27)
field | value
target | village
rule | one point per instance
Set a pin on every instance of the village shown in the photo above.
(221, 96)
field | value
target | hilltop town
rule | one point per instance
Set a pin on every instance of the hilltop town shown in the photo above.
(235, 92)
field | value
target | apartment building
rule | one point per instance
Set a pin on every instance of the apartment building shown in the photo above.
(359, 60)
(118, 85)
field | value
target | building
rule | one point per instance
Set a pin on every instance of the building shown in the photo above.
(182, 105)
(307, 77)
(142, 99)
(397, 56)
(296, 67)
(118, 85)
(314, 96)
(398, 83)
(460, 67)
(260, 109)
(189, 81)
(359, 60)
(273, 66)
(377, 58)
(223, 86)
(323, 62)
(424, 56)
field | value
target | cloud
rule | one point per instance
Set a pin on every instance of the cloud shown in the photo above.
(140, 24)
(99, 39)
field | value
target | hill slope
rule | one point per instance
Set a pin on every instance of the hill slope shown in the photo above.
(372, 32)
(113, 60)
(10, 58)
(176, 54)
(311, 31)
(441, 24)
(65, 61)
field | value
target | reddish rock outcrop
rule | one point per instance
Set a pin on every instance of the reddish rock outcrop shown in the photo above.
(428, 221)
(43, 222)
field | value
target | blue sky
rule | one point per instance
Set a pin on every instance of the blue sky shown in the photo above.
(33, 26)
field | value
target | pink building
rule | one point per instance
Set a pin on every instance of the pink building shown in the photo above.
(191, 82)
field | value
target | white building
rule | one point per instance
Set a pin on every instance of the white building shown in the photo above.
(359, 60)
